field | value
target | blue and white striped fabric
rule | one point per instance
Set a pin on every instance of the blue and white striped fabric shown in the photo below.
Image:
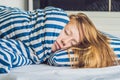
(37, 30)
(14, 53)
(61, 58)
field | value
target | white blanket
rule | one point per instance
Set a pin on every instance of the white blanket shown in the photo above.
(45, 72)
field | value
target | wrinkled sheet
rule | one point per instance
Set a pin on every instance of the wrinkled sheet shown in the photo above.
(45, 72)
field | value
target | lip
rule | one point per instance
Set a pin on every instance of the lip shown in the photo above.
(58, 45)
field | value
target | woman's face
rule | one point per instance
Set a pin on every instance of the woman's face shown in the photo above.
(68, 37)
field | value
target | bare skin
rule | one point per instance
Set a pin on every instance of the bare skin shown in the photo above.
(68, 37)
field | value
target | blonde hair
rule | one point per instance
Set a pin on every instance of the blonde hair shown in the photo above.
(94, 50)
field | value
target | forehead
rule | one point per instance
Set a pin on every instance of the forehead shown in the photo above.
(73, 28)
(72, 24)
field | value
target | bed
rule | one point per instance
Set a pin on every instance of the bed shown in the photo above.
(45, 72)
(105, 21)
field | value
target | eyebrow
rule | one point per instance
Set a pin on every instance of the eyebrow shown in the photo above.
(66, 31)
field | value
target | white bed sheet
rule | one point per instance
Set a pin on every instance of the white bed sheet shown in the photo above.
(45, 72)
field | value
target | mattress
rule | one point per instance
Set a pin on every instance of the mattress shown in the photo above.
(46, 72)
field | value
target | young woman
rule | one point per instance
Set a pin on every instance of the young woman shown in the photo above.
(46, 36)
(85, 46)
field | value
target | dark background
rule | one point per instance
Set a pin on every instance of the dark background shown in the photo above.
(83, 5)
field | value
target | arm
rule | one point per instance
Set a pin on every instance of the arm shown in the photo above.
(59, 58)
(13, 53)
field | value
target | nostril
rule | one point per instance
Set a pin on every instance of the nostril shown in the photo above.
(63, 43)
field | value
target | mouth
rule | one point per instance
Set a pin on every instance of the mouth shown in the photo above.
(58, 45)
